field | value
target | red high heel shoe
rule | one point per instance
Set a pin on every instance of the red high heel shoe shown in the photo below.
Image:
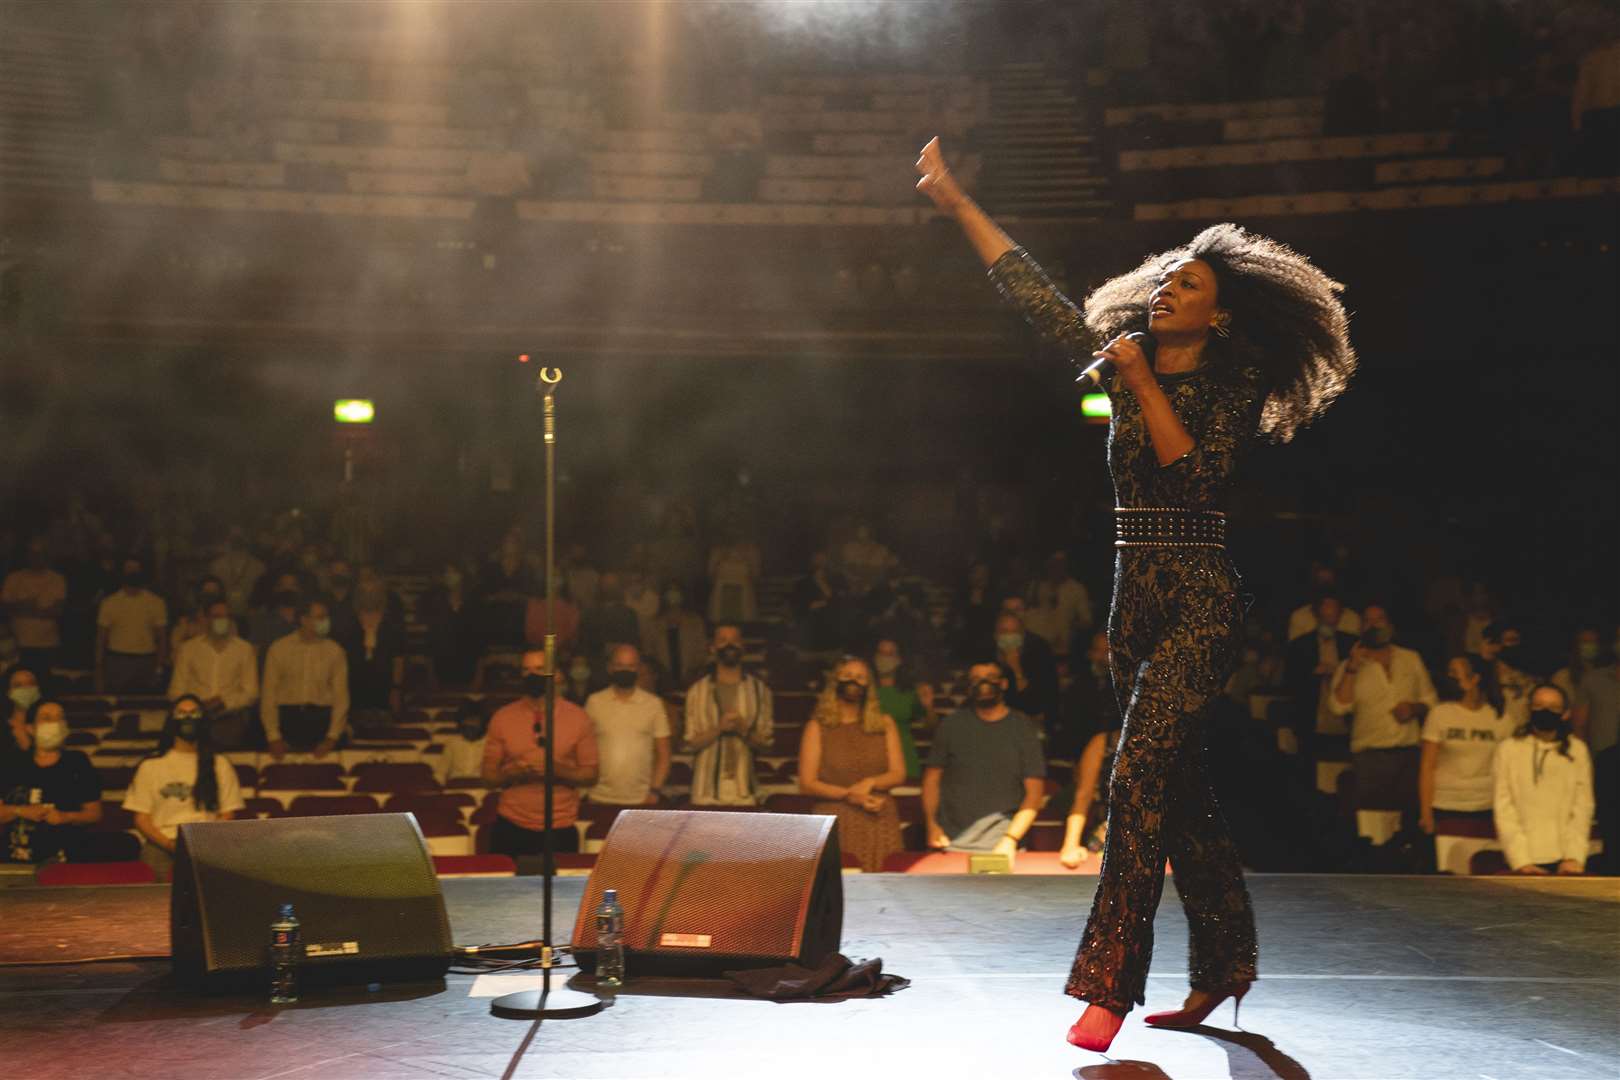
(1186, 1018)
(1095, 1029)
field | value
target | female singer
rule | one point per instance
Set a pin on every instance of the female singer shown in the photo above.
(1251, 338)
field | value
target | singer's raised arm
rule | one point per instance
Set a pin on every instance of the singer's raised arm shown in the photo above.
(1017, 276)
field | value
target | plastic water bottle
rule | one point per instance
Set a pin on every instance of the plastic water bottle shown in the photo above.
(610, 940)
(286, 946)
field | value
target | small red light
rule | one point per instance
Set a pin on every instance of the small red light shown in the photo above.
(523, 358)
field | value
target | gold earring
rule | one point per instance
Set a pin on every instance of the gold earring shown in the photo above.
(1223, 326)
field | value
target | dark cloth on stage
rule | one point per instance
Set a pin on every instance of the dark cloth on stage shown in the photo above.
(1175, 631)
(834, 979)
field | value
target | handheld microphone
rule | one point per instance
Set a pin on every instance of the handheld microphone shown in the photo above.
(1101, 370)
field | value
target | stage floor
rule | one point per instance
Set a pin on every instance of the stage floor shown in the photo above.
(1361, 978)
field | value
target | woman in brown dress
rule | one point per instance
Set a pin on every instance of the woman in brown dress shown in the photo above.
(849, 756)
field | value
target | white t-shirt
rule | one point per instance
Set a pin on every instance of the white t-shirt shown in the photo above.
(462, 758)
(625, 730)
(133, 623)
(162, 788)
(1463, 779)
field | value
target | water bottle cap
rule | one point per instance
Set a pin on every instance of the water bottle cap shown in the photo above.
(610, 896)
(286, 911)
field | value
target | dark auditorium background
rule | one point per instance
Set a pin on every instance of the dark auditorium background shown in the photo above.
(218, 218)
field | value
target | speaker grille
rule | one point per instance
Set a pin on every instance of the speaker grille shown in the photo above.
(362, 884)
(707, 889)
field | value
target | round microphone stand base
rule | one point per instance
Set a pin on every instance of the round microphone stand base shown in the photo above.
(555, 1003)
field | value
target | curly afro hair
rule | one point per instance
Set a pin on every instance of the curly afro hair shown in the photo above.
(1286, 319)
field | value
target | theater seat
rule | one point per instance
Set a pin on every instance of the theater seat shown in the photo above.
(128, 872)
(259, 807)
(791, 804)
(452, 866)
(327, 805)
(395, 777)
(310, 776)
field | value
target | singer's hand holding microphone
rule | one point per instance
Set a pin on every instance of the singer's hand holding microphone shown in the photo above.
(1129, 355)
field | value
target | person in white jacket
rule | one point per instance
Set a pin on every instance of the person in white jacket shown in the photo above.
(1544, 805)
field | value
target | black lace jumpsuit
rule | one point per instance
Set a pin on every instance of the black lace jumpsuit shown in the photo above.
(1175, 629)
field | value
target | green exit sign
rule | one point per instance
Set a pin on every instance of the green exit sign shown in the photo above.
(353, 411)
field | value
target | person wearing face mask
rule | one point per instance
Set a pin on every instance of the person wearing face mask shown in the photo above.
(1500, 647)
(183, 782)
(1585, 654)
(132, 641)
(194, 623)
(221, 670)
(1459, 744)
(22, 690)
(279, 616)
(849, 757)
(903, 699)
(729, 718)
(34, 596)
(453, 639)
(676, 641)
(985, 777)
(1543, 790)
(632, 735)
(49, 797)
(463, 755)
(1309, 662)
(1032, 678)
(238, 571)
(1597, 720)
(515, 763)
(1386, 691)
(304, 695)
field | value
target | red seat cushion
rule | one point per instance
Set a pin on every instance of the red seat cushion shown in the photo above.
(132, 872)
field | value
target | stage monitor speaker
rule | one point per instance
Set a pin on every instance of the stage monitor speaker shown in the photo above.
(361, 885)
(705, 891)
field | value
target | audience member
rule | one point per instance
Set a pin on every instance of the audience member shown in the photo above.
(1597, 714)
(1386, 691)
(676, 641)
(1585, 654)
(220, 669)
(1087, 705)
(183, 782)
(734, 570)
(643, 599)
(132, 639)
(339, 596)
(632, 735)
(49, 797)
(463, 755)
(454, 638)
(34, 597)
(903, 699)
(975, 612)
(1030, 669)
(238, 571)
(371, 587)
(864, 561)
(1058, 606)
(515, 763)
(374, 648)
(1307, 617)
(536, 624)
(304, 696)
(1309, 662)
(849, 756)
(581, 575)
(1459, 744)
(279, 616)
(1499, 646)
(985, 777)
(1543, 800)
(612, 622)
(193, 623)
(728, 719)
(22, 690)
(1083, 828)
(821, 606)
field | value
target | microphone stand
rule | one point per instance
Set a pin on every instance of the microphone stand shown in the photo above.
(548, 1003)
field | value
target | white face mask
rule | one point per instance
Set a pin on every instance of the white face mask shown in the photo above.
(220, 627)
(50, 735)
(24, 696)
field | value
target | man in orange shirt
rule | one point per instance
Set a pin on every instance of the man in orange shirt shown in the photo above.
(514, 763)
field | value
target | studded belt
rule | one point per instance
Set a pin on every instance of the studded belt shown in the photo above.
(1168, 526)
